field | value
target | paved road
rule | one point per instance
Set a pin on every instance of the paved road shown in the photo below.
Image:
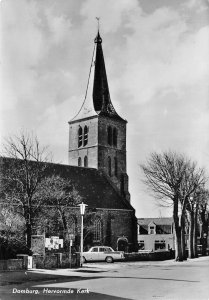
(129, 280)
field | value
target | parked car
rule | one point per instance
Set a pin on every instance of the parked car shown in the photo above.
(102, 253)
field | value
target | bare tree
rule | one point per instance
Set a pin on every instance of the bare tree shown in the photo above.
(173, 179)
(164, 175)
(199, 199)
(11, 232)
(193, 180)
(21, 176)
(61, 200)
(60, 194)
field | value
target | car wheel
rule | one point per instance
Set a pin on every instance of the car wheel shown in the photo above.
(84, 260)
(109, 259)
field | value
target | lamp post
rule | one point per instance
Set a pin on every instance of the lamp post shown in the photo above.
(82, 211)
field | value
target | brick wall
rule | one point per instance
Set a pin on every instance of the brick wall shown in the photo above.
(90, 149)
(117, 224)
(105, 150)
(98, 150)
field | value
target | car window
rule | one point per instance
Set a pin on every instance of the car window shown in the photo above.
(106, 249)
(95, 249)
(101, 249)
(110, 249)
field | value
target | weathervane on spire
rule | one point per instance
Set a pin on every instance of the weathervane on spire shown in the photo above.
(98, 22)
(98, 39)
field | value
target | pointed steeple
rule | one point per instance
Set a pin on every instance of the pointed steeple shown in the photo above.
(101, 94)
(97, 100)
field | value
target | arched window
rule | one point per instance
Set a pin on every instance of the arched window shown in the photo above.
(85, 140)
(109, 166)
(109, 135)
(97, 230)
(115, 137)
(71, 225)
(79, 162)
(116, 166)
(85, 161)
(80, 136)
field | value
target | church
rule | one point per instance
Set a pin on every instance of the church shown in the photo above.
(97, 169)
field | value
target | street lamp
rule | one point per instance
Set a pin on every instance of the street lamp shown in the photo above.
(82, 211)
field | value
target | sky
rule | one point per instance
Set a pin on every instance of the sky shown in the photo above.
(156, 54)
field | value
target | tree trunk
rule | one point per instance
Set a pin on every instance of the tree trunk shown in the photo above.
(204, 233)
(191, 233)
(27, 216)
(177, 228)
(195, 232)
(178, 249)
(64, 221)
(28, 234)
(183, 237)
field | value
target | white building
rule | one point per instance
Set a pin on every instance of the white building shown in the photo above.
(155, 234)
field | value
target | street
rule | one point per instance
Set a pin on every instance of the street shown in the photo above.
(121, 280)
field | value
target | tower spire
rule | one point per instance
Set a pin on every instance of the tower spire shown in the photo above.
(97, 98)
(101, 94)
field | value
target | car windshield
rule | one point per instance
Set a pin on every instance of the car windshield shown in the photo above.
(110, 249)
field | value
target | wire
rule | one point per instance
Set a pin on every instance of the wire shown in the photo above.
(87, 82)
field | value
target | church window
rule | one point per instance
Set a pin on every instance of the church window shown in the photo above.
(85, 161)
(85, 135)
(115, 136)
(97, 230)
(79, 162)
(109, 167)
(116, 166)
(80, 136)
(109, 135)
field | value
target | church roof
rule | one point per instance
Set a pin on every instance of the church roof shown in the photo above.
(97, 99)
(91, 184)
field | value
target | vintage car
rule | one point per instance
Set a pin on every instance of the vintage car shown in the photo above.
(102, 253)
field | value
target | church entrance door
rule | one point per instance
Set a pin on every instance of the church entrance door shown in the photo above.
(122, 244)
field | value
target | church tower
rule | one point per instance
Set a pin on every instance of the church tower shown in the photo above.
(97, 134)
